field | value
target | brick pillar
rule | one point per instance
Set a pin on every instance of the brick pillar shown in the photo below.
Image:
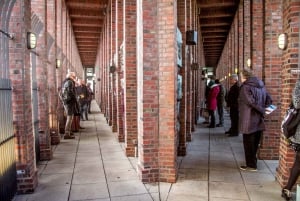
(38, 8)
(290, 62)
(51, 66)
(130, 77)
(247, 31)
(114, 57)
(181, 17)
(121, 67)
(271, 75)
(20, 76)
(157, 74)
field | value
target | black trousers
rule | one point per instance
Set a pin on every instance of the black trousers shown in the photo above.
(251, 143)
(234, 118)
(221, 114)
(295, 172)
(212, 118)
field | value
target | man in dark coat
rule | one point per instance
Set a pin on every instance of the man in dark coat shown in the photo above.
(252, 104)
(68, 96)
(232, 103)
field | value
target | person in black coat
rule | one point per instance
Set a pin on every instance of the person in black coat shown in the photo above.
(232, 103)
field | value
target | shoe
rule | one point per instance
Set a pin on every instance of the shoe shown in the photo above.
(206, 122)
(219, 125)
(232, 135)
(286, 194)
(81, 127)
(211, 126)
(227, 132)
(244, 167)
(69, 137)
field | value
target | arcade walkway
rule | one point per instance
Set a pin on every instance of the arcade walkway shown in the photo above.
(94, 167)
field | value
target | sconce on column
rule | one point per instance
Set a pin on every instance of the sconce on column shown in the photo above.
(58, 63)
(282, 41)
(249, 62)
(31, 40)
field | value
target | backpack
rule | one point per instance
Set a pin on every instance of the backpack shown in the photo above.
(290, 122)
(63, 94)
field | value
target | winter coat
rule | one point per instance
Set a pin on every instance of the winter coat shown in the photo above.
(69, 94)
(233, 95)
(296, 103)
(252, 104)
(221, 96)
(212, 97)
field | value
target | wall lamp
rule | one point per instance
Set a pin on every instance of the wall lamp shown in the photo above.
(58, 63)
(282, 41)
(31, 40)
(195, 66)
(249, 62)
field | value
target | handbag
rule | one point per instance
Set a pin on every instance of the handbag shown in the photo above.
(290, 122)
(204, 113)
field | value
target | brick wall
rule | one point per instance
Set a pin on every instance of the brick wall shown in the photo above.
(130, 77)
(290, 61)
(20, 77)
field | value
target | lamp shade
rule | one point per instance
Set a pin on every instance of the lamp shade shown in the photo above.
(31, 40)
(58, 63)
(282, 41)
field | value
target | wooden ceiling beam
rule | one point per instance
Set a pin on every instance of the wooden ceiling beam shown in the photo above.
(215, 4)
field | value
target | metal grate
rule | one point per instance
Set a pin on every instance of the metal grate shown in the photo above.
(8, 181)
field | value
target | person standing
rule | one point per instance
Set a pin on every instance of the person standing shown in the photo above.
(68, 95)
(212, 104)
(90, 97)
(82, 93)
(209, 82)
(295, 144)
(252, 104)
(232, 103)
(220, 103)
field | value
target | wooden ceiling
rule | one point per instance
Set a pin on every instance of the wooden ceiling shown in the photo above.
(215, 17)
(87, 18)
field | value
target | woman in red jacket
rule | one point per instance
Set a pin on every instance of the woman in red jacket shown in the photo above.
(212, 104)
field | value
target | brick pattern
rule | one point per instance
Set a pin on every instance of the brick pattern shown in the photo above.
(114, 55)
(130, 77)
(121, 64)
(181, 18)
(290, 61)
(41, 76)
(21, 97)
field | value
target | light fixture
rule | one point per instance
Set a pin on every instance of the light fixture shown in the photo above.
(31, 40)
(194, 66)
(248, 62)
(236, 70)
(58, 63)
(282, 41)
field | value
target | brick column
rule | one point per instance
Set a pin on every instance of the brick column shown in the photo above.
(51, 66)
(290, 62)
(157, 74)
(271, 75)
(41, 75)
(114, 57)
(21, 98)
(130, 77)
(181, 17)
(121, 67)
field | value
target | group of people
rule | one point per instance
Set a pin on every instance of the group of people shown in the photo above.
(247, 102)
(76, 97)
